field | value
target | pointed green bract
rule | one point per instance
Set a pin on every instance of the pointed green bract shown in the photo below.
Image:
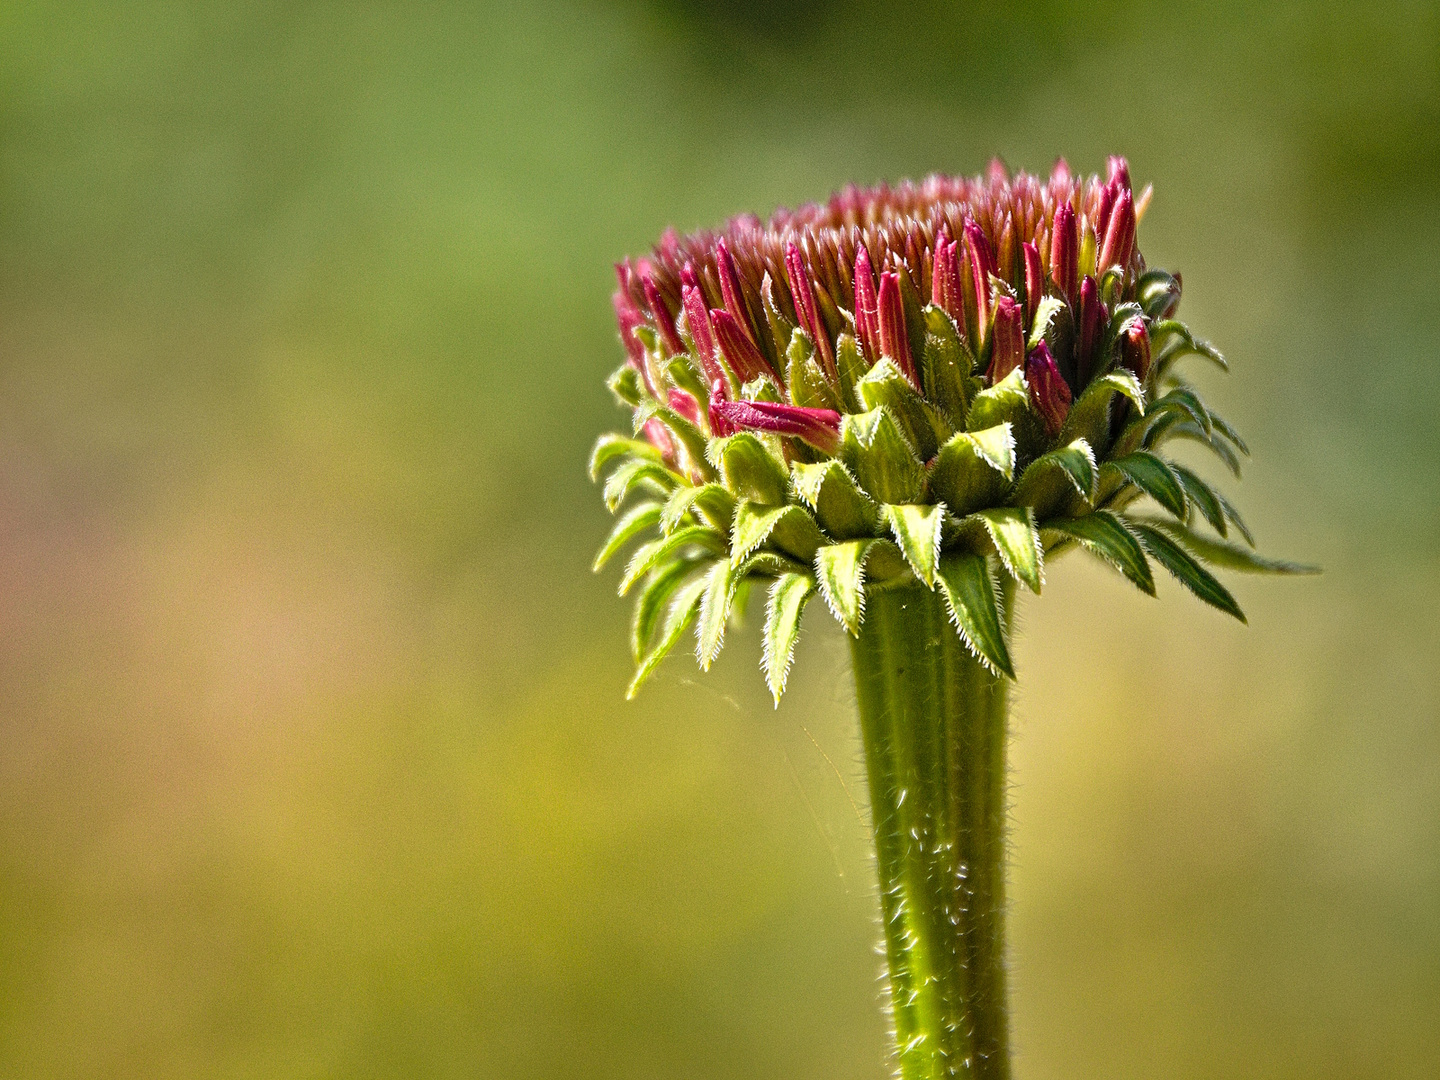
(1227, 555)
(885, 386)
(946, 367)
(970, 596)
(720, 585)
(1155, 478)
(1194, 432)
(840, 573)
(917, 531)
(881, 458)
(1052, 482)
(638, 472)
(1184, 344)
(611, 446)
(841, 508)
(651, 555)
(1187, 571)
(1200, 495)
(785, 606)
(1235, 519)
(1017, 541)
(808, 386)
(659, 586)
(852, 367)
(1049, 308)
(677, 619)
(1089, 417)
(1102, 534)
(973, 468)
(1008, 401)
(788, 528)
(634, 521)
(749, 469)
(684, 432)
(715, 504)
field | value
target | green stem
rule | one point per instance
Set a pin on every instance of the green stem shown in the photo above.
(933, 720)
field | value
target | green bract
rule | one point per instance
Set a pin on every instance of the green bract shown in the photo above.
(928, 386)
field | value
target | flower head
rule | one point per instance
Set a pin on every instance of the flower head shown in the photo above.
(958, 367)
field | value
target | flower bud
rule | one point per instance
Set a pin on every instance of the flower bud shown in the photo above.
(806, 310)
(1135, 350)
(945, 279)
(702, 333)
(658, 436)
(1034, 280)
(1008, 349)
(818, 427)
(1048, 391)
(663, 319)
(894, 340)
(730, 293)
(1093, 317)
(867, 306)
(1065, 252)
(741, 354)
(1108, 195)
(685, 404)
(1117, 168)
(1119, 235)
(629, 317)
(981, 264)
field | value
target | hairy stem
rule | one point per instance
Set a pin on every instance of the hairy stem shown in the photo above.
(933, 720)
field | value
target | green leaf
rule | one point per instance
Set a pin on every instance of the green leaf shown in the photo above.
(1227, 555)
(917, 531)
(970, 596)
(840, 573)
(659, 586)
(749, 469)
(612, 445)
(1194, 432)
(1187, 571)
(679, 617)
(1008, 401)
(1223, 426)
(636, 520)
(638, 472)
(973, 468)
(1089, 417)
(715, 504)
(1202, 497)
(1190, 401)
(1052, 481)
(789, 528)
(1102, 534)
(841, 508)
(880, 457)
(650, 555)
(714, 613)
(782, 627)
(1235, 519)
(1017, 541)
(1183, 343)
(1155, 478)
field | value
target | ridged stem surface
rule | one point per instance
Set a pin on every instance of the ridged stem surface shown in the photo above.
(933, 721)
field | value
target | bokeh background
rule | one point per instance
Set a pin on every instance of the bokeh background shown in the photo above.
(314, 759)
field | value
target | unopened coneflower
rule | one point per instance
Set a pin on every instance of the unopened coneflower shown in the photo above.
(908, 400)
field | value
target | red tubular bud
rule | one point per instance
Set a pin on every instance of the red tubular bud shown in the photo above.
(806, 310)
(663, 319)
(1008, 351)
(702, 332)
(1034, 280)
(1135, 350)
(1061, 180)
(658, 436)
(999, 174)
(730, 293)
(1108, 194)
(1093, 316)
(1048, 391)
(1118, 168)
(1065, 252)
(1005, 257)
(945, 280)
(1119, 234)
(685, 404)
(629, 317)
(688, 277)
(982, 265)
(867, 306)
(818, 427)
(741, 354)
(894, 340)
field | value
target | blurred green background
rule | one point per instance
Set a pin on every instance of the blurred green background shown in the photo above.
(314, 759)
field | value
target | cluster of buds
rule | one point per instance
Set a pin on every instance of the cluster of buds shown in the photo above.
(919, 385)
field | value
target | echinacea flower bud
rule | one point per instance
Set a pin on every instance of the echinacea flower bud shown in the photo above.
(1093, 317)
(894, 341)
(1119, 234)
(867, 306)
(1034, 280)
(741, 355)
(818, 427)
(1117, 168)
(945, 278)
(658, 436)
(685, 404)
(1048, 391)
(806, 309)
(663, 319)
(702, 332)
(981, 263)
(1007, 351)
(1065, 252)
(628, 316)
(1135, 350)
(730, 293)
